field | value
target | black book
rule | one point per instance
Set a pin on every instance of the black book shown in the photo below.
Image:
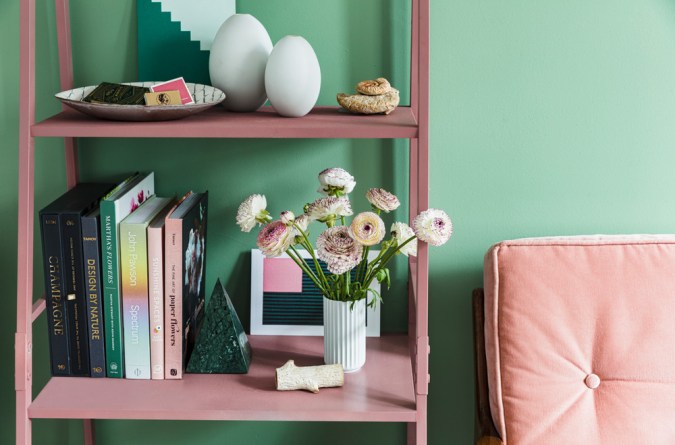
(91, 252)
(50, 230)
(68, 210)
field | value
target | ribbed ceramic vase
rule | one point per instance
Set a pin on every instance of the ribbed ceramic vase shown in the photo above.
(344, 333)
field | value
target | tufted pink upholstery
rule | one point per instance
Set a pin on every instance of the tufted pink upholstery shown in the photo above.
(580, 340)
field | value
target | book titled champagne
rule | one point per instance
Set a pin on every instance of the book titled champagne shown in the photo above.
(135, 286)
(67, 295)
(126, 198)
(184, 274)
(56, 308)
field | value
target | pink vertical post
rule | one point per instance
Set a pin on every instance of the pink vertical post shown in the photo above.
(419, 177)
(24, 285)
(66, 75)
(70, 144)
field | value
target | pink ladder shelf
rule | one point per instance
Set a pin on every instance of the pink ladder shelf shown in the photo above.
(401, 397)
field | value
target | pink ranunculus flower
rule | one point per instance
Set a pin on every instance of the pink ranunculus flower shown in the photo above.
(340, 252)
(382, 199)
(275, 238)
(367, 229)
(334, 180)
(433, 226)
(401, 232)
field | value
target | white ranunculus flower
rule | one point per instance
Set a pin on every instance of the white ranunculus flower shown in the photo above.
(325, 209)
(433, 226)
(382, 199)
(252, 211)
(275, 238)
(340, 252)
(335, 180)
(287, 217)
(367, 229)
(401, 232)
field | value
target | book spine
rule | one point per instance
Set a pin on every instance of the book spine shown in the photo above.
(54, 294)
(134, 274)
(92, 268)
(173, 303)
(114, 356)
(76, 306)
(156, 300)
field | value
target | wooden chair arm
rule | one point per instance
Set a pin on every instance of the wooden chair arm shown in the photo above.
(486, 430)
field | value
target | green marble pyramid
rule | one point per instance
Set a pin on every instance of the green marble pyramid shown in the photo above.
(222, 346)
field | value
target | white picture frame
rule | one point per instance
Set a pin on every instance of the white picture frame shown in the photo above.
(257, 304)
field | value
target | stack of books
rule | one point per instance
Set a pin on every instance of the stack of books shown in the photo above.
(124, 279)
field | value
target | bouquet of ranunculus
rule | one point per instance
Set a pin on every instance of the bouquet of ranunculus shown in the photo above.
(342, 247)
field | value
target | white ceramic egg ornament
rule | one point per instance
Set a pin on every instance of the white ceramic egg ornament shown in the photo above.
(237, 62)
(293, 77)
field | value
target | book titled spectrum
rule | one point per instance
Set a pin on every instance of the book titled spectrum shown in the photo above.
(135, 286)
(126, 198)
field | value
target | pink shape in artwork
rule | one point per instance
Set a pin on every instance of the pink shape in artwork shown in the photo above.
(281, 275)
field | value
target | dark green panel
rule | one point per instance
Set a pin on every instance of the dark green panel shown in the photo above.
(164, 51)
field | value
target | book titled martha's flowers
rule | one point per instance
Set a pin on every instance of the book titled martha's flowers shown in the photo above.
(116, 206)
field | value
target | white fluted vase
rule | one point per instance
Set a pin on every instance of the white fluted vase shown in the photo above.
(344, 333)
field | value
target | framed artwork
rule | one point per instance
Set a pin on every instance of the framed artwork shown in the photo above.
(284, 301)
(175, 37)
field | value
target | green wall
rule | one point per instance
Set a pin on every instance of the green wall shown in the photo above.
(547, 118)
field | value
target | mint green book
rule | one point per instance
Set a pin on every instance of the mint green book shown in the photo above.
(135, 286)
(116, 206)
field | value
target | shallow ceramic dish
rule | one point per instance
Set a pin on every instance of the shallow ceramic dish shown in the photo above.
(205, 97)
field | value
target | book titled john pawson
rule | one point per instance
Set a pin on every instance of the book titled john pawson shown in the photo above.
(116, 206)
(184, 275)
(64, 277)
(135, 286)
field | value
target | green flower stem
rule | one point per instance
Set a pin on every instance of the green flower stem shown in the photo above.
(363, 264)
(376, 260)
(308, 246)
(295, 256)
(383, 262)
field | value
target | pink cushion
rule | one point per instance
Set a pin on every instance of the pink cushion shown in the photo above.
(580, 339)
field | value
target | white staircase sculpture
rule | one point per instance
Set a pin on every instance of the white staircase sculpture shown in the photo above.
(201, 18)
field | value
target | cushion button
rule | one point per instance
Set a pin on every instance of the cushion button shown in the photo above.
(592, 381)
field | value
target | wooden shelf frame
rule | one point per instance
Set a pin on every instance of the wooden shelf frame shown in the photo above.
(406, 359)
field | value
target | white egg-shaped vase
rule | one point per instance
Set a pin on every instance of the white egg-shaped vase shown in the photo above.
(237, 62)
(293, 77)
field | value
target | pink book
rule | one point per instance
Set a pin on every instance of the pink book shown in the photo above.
(173, 295)
(185, 269)
(156, 293)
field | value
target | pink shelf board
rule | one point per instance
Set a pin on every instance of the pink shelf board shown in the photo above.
(322, 122)
(382, 391)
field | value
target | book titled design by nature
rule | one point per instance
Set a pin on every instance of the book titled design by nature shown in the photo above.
(64, 277)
